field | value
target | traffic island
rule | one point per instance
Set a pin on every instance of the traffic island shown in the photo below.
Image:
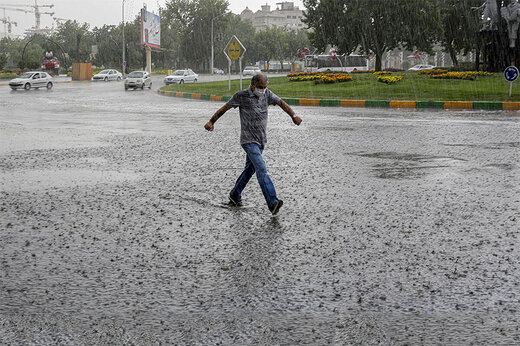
(398, 104)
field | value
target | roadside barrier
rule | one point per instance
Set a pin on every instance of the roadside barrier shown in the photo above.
(458, 105)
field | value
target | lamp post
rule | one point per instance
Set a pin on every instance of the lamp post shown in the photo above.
(212, 45)
(123, 18)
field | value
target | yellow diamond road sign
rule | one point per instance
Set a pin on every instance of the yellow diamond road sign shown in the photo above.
(234, 49)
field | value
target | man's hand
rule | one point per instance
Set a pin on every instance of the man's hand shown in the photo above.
(297, 120)
(209, 126)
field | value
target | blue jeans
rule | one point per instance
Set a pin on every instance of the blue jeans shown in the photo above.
(255, 163)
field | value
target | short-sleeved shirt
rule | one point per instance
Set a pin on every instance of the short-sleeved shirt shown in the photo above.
(253, 114)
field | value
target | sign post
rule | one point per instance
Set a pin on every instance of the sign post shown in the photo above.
(511, 74)
(234, 51)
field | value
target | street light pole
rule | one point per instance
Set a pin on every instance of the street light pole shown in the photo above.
(123, 18)
(212, 45)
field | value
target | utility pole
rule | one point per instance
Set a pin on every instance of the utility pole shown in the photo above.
(123, 18)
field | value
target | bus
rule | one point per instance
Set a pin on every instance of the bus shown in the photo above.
(341, 63)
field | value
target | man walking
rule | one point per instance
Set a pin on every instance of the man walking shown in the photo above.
(253, 103)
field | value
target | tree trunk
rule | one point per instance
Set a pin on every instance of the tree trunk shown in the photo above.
(379, 56)
(453, 54)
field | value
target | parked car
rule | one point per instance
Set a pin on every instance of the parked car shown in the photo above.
(138, 79)
(218, 71)
(107, 75)
(421, 67)
(181, 77)
(33, 79)
(251, 71)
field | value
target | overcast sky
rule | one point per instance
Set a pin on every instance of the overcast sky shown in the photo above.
(100, 12)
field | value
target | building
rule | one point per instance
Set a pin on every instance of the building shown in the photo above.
(286, 16)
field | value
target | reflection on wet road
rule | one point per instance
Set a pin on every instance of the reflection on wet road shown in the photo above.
(397, 228)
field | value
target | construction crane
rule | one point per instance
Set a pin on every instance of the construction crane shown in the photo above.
(36, 11)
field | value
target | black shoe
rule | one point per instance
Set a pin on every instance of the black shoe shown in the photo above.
(276, 207)
(234, 202)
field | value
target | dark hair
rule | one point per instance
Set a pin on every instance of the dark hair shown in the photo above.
(256, 78)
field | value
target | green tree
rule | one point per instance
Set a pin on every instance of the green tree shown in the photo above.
(76, 39)
(109, 42)
(372, 26)
(459, 25)
(192, 19)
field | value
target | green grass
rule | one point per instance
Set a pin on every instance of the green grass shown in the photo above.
(413, 87)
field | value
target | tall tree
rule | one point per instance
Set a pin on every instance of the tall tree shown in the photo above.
(76, 39)
(193, 20)
(372, 26)
(459, 25)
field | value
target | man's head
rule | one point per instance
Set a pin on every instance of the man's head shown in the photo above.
(259, 81)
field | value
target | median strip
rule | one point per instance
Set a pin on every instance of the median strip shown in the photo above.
(397, 104)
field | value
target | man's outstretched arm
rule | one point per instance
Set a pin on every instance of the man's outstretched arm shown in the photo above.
(296, 119)
(210, 124)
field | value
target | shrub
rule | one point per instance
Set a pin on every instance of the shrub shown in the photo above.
(380, 73)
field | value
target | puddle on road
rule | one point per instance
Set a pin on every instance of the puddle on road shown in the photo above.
(504, 145)
(408, 166)
(44, 179)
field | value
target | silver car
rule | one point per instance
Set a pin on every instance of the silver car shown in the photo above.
(181, 77)
(107, 75)
(33, 79)
(251, 71)
(138, 79)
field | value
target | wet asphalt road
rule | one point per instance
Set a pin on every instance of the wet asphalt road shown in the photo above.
(398, 228)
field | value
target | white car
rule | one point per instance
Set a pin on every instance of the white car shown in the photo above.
(181, 77)
(218, 71)
(33, 79)
(421, 67)
(138, 79)
(251, 71)
(107, 75)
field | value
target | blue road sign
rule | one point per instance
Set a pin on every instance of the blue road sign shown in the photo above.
(511, 73)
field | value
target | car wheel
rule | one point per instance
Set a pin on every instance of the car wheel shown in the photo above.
(118, 78)
(150, 86)
(195, 80)
(27, 86)
(181, 82)
(49, 86)
(106, 79)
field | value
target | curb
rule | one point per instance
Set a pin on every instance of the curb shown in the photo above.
(59, 82)
(458, 105)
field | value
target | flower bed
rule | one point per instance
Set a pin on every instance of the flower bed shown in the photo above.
(319, 77)
(432, 71)
(363, 71)
(454, 75)
(381, 73)
(8, 75)
(329, 78)
(389, 79)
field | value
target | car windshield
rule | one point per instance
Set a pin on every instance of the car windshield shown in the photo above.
(178, 73)
(104, 72)
(249, 68)
(26, 75)
(135, 75)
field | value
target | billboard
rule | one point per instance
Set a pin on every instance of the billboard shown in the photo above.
(150, 29)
